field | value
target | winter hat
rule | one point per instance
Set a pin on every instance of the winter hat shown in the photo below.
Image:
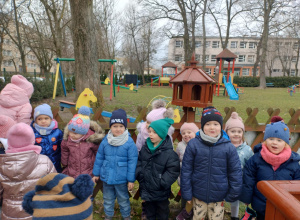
(159, 111)
(20, 137)
(234, 122)
(80, 123)
(118, 116)
(211, 114)
(6, 123)
(189, 126)
(161, 127)
(23, 83)
(277, 130)
(276, 118)
(43, 109)
(58, 196)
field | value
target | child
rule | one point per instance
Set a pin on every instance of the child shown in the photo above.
(211, 169)
(274, 161)
(188, 131)
(159, 111)
(58, 196)
(20, 169)
(157, 169)
(80, 144)
(115, 164)
(235, 129)
(47, 134)
(14, 99)
(5, 124)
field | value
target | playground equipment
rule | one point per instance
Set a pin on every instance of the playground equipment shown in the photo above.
(107, 80)
(233, 95)
(130, 86)
(58, 69)
(84, 99)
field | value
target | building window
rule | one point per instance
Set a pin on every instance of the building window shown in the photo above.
(215, 44)
(293, 72)
(275, 70)
(243, 44)
(233, 44)
(252, 45)
(7, 53)
(278, 44)
(178, 43)
(242, 58)
(286, 58)
(197, 57)
(207, 44)
(206, 57)
(251, 58)
(294, 59)
(295, 46)
(7, 41)
(245, 72)
(213, 58)
(197, 44)
(208, 71)
(287, 44)
(8, 63)
(178, 57)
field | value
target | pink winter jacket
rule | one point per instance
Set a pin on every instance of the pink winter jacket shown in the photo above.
(79, 158)
(14, 103)
(19, 174)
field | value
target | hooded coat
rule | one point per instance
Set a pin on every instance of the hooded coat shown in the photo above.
(157, 172)
(79, 158)
(19, 174)
(14, 102)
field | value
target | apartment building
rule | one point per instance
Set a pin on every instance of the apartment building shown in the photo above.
(281, 56)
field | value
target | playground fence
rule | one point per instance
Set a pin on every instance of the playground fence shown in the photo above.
(254, 130)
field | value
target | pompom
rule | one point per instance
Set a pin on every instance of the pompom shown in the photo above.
(169, 113)
(27, 202)
(234, 115)
(83, 187)
(276, 119)
(84, 110)
(159, 103)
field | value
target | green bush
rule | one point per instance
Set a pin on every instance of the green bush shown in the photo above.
(44, 90)
(280, 82)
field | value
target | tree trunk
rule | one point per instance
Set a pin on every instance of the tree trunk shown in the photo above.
(257, 57)
(297, 59)
(85, 48)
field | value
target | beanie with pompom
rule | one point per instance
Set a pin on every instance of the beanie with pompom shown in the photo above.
(235, 121)
(159, 111)
(58, 196)
(80, 123)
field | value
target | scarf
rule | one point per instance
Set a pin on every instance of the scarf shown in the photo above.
(151, 145)
(117, 141)
(208, 139)
(273, 159)
(44, 130)
(78, 140)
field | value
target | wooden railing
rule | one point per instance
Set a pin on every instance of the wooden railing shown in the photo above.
(251, 123)
(283, 199)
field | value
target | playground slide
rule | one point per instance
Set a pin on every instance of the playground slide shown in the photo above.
(233, 95)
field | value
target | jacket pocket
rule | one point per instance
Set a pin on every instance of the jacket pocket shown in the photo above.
(121, 171)
(104, 170)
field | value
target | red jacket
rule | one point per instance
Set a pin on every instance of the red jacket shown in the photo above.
(79, 158)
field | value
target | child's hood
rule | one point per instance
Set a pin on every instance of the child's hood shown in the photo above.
(94, 137)
(12, 95)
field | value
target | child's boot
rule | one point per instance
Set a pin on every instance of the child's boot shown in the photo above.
(184, 215)
(234, 218)
(249, 214)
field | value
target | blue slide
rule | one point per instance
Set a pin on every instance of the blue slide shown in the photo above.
(233, 95)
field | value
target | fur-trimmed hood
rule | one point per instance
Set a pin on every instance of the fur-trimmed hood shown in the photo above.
(95, 138)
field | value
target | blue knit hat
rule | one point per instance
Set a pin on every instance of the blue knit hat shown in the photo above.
(43, 109)
(58, 196)
(80, 123)
(277, 130)
(211, 114)
(118, 116)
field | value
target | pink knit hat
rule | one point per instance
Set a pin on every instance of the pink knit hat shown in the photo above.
(20, 138)
(189, 126)
(159, 111)
(23, 83)
(234, 122)
(6, 123)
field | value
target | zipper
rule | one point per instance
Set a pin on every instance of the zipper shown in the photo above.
(209, 169)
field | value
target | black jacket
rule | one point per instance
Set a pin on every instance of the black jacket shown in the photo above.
(157, 172)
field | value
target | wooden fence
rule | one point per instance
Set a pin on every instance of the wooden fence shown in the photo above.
(251, 123)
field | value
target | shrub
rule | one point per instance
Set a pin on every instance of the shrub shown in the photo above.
(279, 82)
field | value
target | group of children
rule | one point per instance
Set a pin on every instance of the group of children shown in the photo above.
(210, 166)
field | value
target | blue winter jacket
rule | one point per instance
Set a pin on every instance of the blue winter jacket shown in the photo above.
(211, 173)
(50, 145)
(258, 169)
(116, 164)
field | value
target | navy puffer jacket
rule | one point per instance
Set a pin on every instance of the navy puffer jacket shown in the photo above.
(211, 173)
(258, 169)
(157, 172)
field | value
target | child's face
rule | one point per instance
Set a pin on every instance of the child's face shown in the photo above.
(275, 145)
(117, 129)
(235, 135)
(187, 135)
(75, 136)
(155, 139)
(43, 120)
(212, 128)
